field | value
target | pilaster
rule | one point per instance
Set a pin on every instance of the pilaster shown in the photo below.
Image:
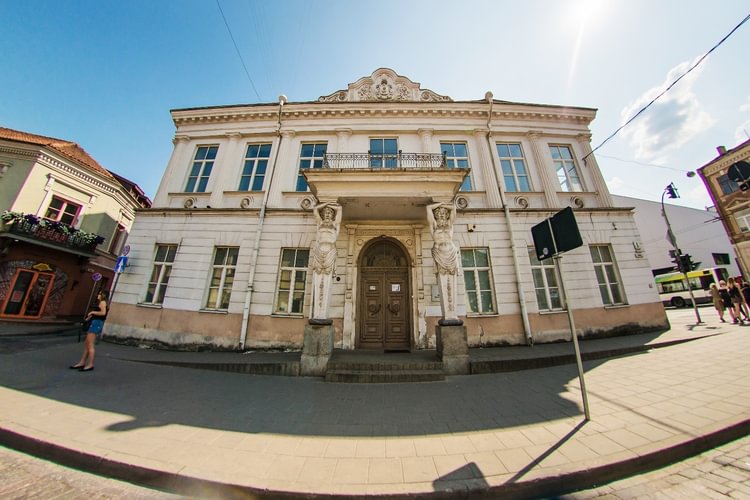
(584, 141)
(178, 162)
(224, 170)
(282, 171)
(491, 185)
(550, 184)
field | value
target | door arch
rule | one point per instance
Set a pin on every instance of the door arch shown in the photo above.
(384, 315)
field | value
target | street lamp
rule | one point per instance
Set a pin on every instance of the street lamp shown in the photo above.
(683, 264)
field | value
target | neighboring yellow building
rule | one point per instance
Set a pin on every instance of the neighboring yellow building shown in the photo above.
(223, 258)
(65, 219)
(731, 202)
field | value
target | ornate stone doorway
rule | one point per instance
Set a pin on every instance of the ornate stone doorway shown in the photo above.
(384, 315)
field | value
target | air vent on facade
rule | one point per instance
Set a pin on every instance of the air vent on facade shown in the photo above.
(522, 202)
(189, 203)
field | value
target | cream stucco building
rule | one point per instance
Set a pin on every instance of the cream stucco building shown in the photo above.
(222, 260)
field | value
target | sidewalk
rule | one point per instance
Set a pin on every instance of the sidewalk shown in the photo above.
(517, 434)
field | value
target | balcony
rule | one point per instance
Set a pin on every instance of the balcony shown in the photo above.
(384, 186)
(29, 228)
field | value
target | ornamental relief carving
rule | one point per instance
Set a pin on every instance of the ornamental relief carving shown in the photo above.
(385, 85)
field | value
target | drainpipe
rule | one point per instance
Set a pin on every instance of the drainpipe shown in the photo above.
(506, 210)
(259, 232)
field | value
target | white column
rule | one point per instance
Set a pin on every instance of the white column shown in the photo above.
(426, 135)
(283, 169)
(222, 174)
(342, 140)
(584, 141)
(491, 185)
(550, 184)
(174, 173)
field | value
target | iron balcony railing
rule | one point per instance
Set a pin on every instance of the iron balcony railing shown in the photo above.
(79, 240)
(364, 161)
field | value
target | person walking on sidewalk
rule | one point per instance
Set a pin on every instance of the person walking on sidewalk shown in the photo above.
(734, 293)
(727, 300)
(718, 302)
(97, 317)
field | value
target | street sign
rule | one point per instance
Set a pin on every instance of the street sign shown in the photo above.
(126, 249)
(96, 276)
(556, 234)
(122, 261)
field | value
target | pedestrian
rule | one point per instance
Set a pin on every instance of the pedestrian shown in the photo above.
(727, 300)
(734, 293)
(97, 317)
(718, 302)
(745, 296)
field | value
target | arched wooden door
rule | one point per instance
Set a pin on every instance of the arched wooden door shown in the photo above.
(384, 298)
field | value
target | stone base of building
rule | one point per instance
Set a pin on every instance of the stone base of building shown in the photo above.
(453, 349)
(317, 347)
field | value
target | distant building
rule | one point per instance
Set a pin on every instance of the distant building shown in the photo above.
(65, 219)
(224, 258)
(698, 232)
(731, 201)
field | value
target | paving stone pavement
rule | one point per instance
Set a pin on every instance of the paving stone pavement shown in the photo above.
(519, 434)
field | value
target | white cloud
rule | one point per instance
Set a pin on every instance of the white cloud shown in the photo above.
(614, 184)
(671, 121)
(740, 134)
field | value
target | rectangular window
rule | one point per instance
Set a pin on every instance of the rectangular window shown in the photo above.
(477, 279)
(721, 259)
(743, 220)
(513, 165)
(383, 153)
(118, 240)
(203, 163)
(565, 166)
(290, 297)
(62, 210)
(157, 284)
(607, 276)
(545, 283)
(310, 156)
(254, 170)
(222, 278)
(727, 185)
(456, 156)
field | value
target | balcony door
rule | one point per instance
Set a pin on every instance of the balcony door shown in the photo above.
(384, 298)
(383, 153)
(29, 291)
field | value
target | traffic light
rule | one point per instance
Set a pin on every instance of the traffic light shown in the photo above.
(676, 260)
(686, 263)
(672, 191)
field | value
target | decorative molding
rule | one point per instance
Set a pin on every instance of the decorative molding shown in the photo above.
(522, 202)
(189, 203)
(382, 86)
(4, 167)
(307, 203)
(577, 202)
(462, 202)
(246, 202)
(76, 172)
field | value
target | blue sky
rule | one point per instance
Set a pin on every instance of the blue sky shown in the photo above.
(105, 73)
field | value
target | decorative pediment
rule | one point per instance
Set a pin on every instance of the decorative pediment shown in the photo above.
(384, 85)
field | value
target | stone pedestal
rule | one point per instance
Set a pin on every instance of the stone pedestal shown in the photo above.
(317, 347)
(453, 348)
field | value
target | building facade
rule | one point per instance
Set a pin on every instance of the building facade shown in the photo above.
(65, 219)
(227, 257)
(732, 198)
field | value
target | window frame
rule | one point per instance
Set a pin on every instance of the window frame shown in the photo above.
(611, 264)
(61, 211)
(557, 163)
(298, 274)
(454, 161)
(161, 284)
(478, 290)
(119, 236)
(255, 163)
(545, 267)
(511, 162)
(742, 218)
(314, 161)
(384, 159)
(198, 182)
(221, 288)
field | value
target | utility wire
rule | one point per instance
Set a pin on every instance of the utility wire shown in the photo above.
(668, 88)
(238, 50)
(642, 163)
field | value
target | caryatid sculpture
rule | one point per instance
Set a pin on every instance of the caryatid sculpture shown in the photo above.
(323, 255)
(445, 256)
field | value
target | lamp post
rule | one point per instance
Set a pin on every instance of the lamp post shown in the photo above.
(672, 191)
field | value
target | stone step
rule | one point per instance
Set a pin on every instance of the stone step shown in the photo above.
(373, 376)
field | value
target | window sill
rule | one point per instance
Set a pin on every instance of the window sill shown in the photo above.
(617, 306)
(552, 311)
(482, 315)
(149, 306)
(287, 315)
(214, 311)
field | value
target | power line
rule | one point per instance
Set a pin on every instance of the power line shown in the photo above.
(238, 50)
(668, 88)
(642, 163)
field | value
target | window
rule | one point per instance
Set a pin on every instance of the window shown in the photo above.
(456, 156)
(254, 170)
(64, 211)
(222, 277)
(743, 220)
(606, 275)
(476, 264)
(383, 153)
(545, 283)
(290, 297)
(118, 239)
(565, 166)
(157, 284)
(310, 156)
(203, 163)
(727, 185)
(721, 259)
(514, 167)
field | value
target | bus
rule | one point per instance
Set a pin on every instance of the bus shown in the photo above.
(673, 289)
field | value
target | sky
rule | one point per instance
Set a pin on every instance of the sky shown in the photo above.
(106, 73)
